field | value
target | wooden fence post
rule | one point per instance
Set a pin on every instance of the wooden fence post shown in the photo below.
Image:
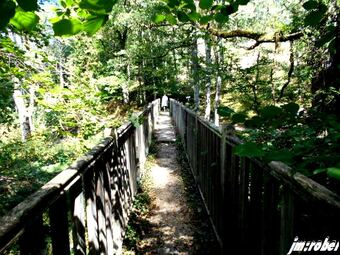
(59, 226)
(33, 242)
(223, 158)
(287, 220)
(78, 218)
(223, 180)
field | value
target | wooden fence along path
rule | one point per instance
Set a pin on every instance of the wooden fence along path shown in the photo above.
(254, 208)
(91, 199)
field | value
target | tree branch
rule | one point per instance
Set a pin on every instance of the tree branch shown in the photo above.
(258, 37)
(290, 72)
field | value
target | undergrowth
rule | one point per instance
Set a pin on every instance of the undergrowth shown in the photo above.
(26, 166)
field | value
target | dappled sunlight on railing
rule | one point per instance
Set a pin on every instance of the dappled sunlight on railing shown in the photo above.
(91, 199)
(255, 208)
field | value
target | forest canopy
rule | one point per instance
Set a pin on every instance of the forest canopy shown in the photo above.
(70, 69)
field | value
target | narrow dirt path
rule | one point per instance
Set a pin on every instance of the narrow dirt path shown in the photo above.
(175, 228)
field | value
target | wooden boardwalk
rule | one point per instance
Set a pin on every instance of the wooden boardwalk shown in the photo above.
(173, 224)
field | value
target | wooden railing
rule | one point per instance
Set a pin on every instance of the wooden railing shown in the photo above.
(84, 209)
(254, 208)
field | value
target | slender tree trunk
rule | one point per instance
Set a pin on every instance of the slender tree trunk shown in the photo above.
(271, 80)
(254, 85)
(25, 115)
(218, 60)
(125, 85)
(30, 109)
(140, 82)
(61, 73)
(208, 79)
(174, 56)
(195, 78)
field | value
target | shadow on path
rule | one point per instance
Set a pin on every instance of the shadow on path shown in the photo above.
(177, 221)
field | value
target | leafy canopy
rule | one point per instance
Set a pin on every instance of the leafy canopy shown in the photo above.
(186, 11)
(73, 16)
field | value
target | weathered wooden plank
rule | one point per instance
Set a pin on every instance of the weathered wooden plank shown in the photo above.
(59, 226)
(287, 220)
(90, 180)
(109, 216)
(255, 208)
(243, 204)
(78, 224)
(33, 240)
(270, 228)
(100, 205)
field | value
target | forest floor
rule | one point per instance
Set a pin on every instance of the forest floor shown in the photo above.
(176, 222)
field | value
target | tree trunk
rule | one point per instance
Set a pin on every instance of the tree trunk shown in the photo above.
(208, 79)
(195, 78)
(25, 114)
(125, 85)
(61, 73)
(218, 60)
(256, 104)
(326, 82)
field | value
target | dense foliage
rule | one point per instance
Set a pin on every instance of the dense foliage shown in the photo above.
(72, 68)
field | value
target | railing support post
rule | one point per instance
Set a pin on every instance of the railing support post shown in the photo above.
(223, 180)
(222, 158)
(287, 220)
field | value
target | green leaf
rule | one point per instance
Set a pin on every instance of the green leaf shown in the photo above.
(238, 118)
(173, 3)
(7, 11)
(28, 5)
(334, 172)
(189, 4)
(171, 19)
(220, 18)
(63, 3)
(271, 111)
(25, 20)
(159, 18)
(91, 26)
(194, 16)
(254, 122)
(280, 155)
(309, 5)
(291, 108)
(319, 171)
(327, 37)
(229, 9)
(182, 16)
(205, 19)
(98, 6)
(67, 27)
(332, 47)
(205, 4)
(242, 2)
(224, 111)
(249, 149)
(69, 3)
(314, 17)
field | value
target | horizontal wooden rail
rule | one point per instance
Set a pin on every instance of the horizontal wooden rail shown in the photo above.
(91, 199)
(255, 208)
